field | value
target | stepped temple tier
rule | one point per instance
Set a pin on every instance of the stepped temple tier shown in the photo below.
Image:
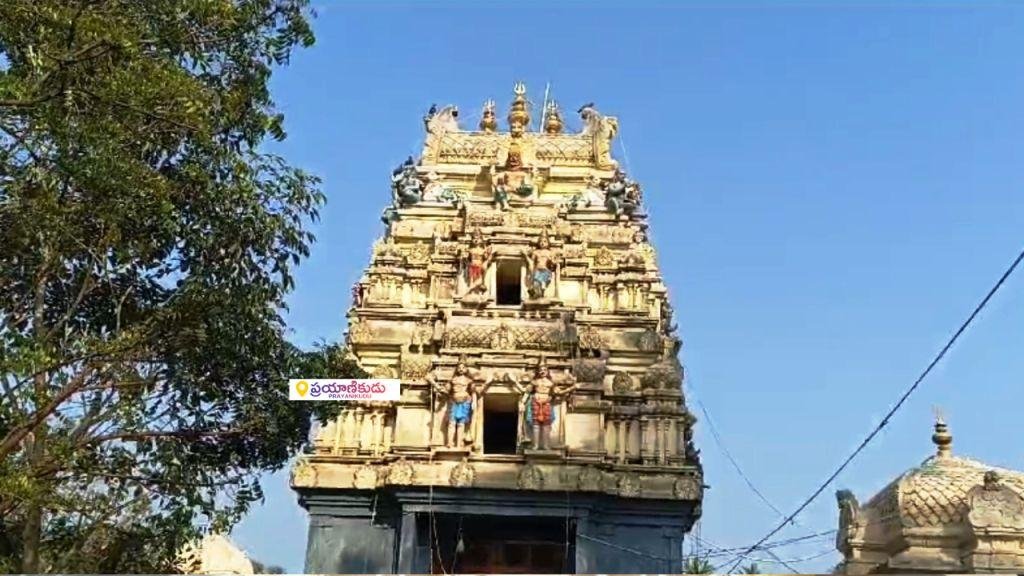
(542, 426)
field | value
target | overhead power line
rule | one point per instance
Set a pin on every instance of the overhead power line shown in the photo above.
(899, 404)
(728, 455)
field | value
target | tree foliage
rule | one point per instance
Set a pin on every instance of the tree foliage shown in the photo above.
(697, 565)
(147, 242)
(261, 568)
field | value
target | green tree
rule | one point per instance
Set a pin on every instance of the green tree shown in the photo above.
(147, 242)
(751, 568)
(697, 565)
(261, 568)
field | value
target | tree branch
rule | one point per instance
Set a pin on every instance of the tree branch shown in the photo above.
(14, 437)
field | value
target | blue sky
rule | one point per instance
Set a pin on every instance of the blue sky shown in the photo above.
(831, 188)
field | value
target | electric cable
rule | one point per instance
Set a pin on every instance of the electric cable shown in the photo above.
(892, 411)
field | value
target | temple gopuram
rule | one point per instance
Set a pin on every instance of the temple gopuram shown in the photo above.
(542, 426)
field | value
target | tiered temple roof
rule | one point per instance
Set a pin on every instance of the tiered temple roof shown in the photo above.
(514, 276)
(949, 515)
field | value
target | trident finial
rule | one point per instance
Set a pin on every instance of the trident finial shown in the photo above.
(553, 118)
(518, 114)
(942, 438)
(488, 122)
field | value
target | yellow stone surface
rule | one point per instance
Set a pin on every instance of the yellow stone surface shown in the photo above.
(214, 554)
(950, 514)
(479, 218)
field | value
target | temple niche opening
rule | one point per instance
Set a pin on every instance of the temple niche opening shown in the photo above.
(542, 423)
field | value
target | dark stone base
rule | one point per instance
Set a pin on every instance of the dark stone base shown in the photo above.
(382, 531)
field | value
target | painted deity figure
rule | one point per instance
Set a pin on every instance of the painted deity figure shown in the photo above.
(541, 261)
(591, 195)
(357, 295)
(539, 394)
(477, 257)
(513, 179)
(436, 191)
(406, 186)
(667, 326)
(465, 387)
(622, 195)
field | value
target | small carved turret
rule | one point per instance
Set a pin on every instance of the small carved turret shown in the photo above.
(488, 120)
(553, 119)
(942, 438)
(518, 114)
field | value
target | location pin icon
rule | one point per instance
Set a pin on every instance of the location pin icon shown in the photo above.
(302, 387)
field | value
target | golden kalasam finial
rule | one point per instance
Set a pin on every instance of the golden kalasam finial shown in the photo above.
(518, 115)
(553, 119)
(488, 121)
(942, 438)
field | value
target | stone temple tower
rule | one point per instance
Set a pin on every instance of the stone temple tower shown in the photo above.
(541, 426)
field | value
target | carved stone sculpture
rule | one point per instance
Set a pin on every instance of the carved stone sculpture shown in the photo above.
(462, 475)
(366, 477)
(622, 195)
(513, 178)
(530, 478)
(477, 258)
(539, 394)
(668, 327)
(406, 186)
(623, 383)
(628, 485)
(602, 129)
(687, 488)
(592, 194)
(541, 262)
(589, 479)
(848, 511)
(436, 191)
(440, 121)
(995, 507)
(465, 387)
(401, 472)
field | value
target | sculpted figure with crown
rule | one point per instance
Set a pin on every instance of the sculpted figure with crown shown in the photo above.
(514, 177)
(541, 260)
(465, 387)
(539, 395)
(477, 257)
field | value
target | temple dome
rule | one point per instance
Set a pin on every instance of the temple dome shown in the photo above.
(949, 514)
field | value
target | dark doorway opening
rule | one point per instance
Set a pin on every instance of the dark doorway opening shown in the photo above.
(501, 424)
(499, 544)
(509, 283)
